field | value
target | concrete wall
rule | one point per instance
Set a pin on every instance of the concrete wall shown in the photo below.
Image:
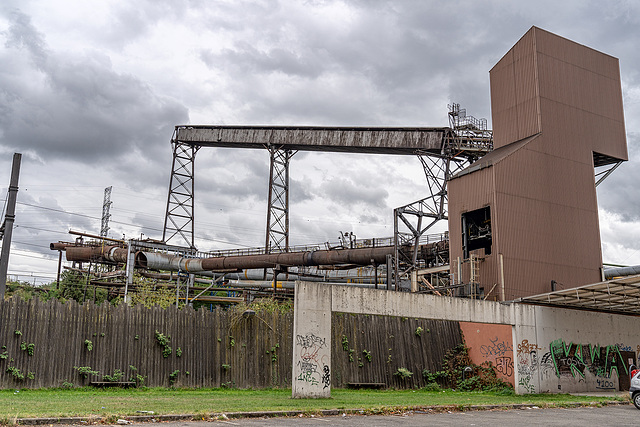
(560, 350)
(551, 349)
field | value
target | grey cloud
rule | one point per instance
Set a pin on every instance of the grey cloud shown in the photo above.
(79, 107)
(619, 192)
(350, 193)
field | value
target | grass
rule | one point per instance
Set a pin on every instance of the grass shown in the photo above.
(121, 402)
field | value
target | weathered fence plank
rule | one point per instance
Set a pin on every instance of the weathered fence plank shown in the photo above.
(218, 348)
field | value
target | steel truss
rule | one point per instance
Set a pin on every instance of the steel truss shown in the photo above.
(179, 216)
(106, 205)
(277, 236)
(469, 141)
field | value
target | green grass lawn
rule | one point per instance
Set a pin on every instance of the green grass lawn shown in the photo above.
(122, 402)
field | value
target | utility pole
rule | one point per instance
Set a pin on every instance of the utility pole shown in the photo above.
(7, 224)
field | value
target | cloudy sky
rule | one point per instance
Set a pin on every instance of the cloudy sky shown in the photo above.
(90, 92)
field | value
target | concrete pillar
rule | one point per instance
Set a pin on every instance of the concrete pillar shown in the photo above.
(311, 341)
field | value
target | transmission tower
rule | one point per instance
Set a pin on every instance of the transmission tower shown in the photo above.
(106, 204)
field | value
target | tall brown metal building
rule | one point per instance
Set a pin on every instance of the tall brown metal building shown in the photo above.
(524, 218)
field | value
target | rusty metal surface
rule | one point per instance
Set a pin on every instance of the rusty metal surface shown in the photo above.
(96, 254)
(311, 138)
(361, 256)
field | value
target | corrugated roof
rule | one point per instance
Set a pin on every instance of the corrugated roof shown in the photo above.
(495, 156)
(620, 296)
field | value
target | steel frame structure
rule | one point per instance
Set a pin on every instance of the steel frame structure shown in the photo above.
(469, 141)
(442, 152)
(179, 216)
(277, 236)
(106, 205)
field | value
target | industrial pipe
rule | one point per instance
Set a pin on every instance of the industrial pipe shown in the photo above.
(60, 246)
(360, 256)
(96, 253)
(610, 273)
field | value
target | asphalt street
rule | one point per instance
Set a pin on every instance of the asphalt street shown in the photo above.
(618, 415)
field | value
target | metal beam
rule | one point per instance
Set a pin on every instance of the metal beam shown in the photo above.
(314, 138)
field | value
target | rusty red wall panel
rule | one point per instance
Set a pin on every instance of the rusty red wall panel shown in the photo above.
(490, 343)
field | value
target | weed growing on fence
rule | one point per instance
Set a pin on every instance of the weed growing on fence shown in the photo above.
(403, 373)
(15, 372)
(232, 341)
(367, 355)
(85, 371)
(226, 366)
(115, 377)
(483, 377)
(88, 344)
(163, 340)
(172, 376)
(178, 352)
(29, 348)
(136, 377)
(433, 377)
(4, 355)
(345, 343)
(17, 332)
(274, 355)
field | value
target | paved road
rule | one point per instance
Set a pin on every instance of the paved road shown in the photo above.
(619, 415)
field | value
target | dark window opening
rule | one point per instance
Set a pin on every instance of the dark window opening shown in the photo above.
(476, 231)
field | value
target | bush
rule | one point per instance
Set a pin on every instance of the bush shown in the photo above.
(432, 387)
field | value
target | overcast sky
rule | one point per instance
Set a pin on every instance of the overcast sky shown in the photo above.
(90, 92)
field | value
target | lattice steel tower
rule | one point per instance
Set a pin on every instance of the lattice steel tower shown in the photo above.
(106, 205)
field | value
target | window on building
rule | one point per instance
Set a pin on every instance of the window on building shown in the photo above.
(476, 231)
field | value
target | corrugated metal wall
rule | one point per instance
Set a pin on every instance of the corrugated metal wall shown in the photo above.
(544, 207)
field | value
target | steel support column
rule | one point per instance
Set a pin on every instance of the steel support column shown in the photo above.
(277, 236)
(179, 216)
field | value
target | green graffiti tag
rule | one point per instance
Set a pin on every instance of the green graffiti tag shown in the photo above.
(574, 359)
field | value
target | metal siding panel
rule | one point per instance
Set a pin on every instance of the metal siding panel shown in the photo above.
(468, 193)
(543, 226)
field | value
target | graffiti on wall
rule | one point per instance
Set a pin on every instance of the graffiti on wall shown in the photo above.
(491, 343)
(578, 359)
(496, 348)
(527, 364)
(310, 360)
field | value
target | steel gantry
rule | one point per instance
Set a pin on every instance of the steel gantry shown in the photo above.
(442, 152)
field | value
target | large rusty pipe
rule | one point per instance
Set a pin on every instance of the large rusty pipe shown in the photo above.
(60, 246)
(360, 256)
(88, 253)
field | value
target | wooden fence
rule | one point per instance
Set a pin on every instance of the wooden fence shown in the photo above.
(42, 342)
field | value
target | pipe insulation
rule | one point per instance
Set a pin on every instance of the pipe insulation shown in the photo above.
(610, 273)
(359, 256)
